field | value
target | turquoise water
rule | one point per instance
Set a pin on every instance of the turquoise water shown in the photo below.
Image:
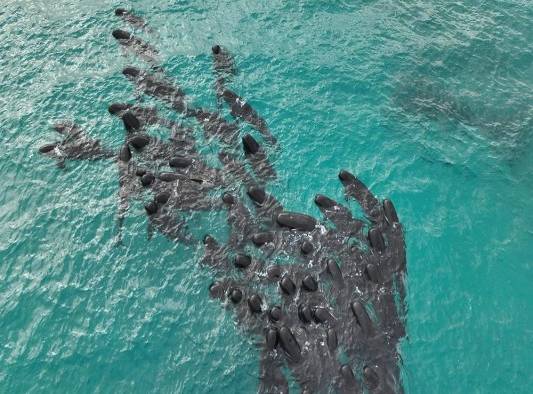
(430, 103)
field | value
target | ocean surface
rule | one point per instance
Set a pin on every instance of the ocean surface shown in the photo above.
(429, 103)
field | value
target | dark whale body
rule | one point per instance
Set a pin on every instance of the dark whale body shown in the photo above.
(243, 110)
(319, 296)
(138, 46)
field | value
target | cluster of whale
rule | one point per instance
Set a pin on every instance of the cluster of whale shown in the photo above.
(325, 298)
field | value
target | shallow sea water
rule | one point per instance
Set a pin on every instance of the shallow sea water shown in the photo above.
(429, 103)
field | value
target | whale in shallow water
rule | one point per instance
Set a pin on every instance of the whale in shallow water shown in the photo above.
(258, 159)
(76, 145)
(142, 49)
(157, 87)
(223, 62)
(319, 313)
(131, 18)
(243, 110)
(224, 67)
(234, 170)
(323, 298)
(215, 126)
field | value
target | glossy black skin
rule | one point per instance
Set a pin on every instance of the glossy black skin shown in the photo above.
(243, 110)
(258, 160)
(224, 69)
(141, 48)
(317, 294)
(223, 61)
(157, 87)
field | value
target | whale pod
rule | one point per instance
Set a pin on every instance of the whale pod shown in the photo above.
(348, 377)
(275, 313)
(372, 272)
(274, 272)
(297, 221)
(257, 194)
(324, 202)
(48, 147)
(307, 247)
(228, 199)
(120, 34)
(139, 141)
(168, 176)
(321, 314)
(358, 190)
(162, 197)
(216, 290)
(131, 72)
(235, 295)
(131, 123)
(209, 241)
(289, 344)
(115, 108)
(132, 19)
(370, 377)
(151, 207)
